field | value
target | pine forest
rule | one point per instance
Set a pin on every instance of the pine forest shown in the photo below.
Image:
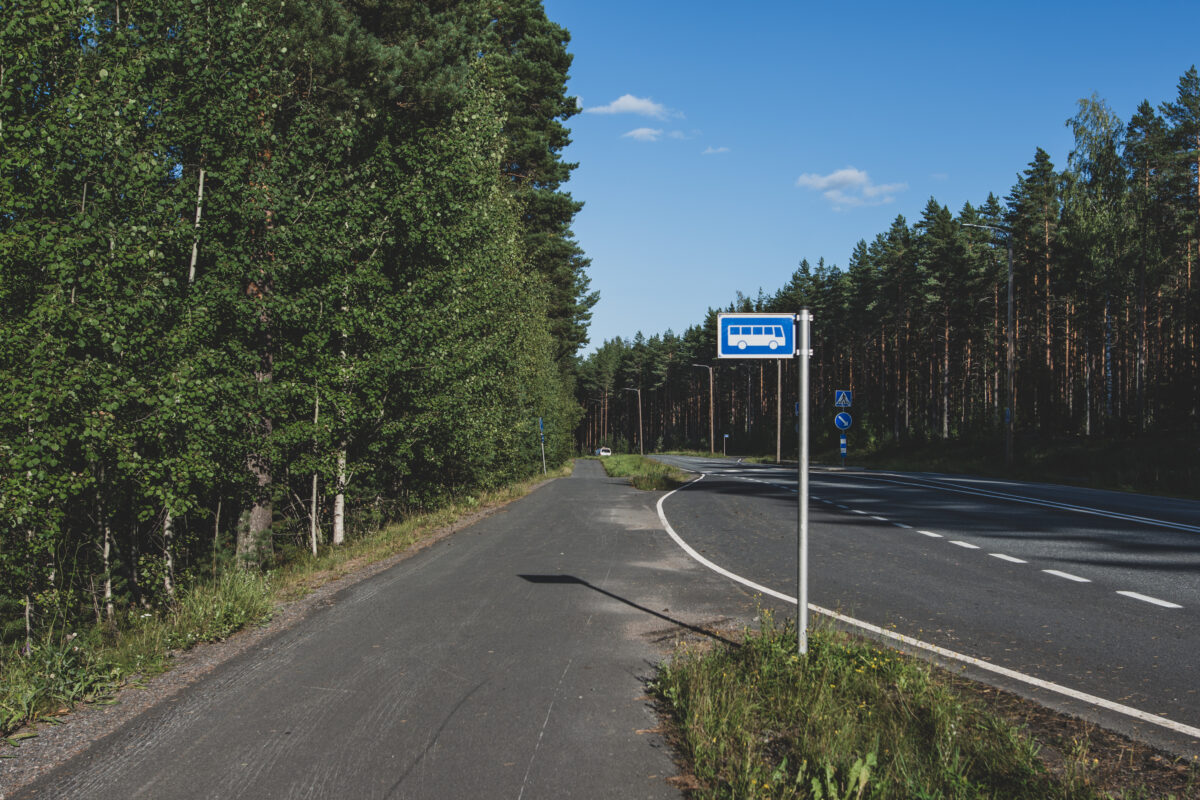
(1105, 254)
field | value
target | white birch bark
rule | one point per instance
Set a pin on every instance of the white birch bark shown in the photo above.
(168, 532)
(196, 231)
(339, 498)
(108, 572)
(312, 514)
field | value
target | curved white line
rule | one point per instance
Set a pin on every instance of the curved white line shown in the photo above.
(687, 548)
(1021, 677)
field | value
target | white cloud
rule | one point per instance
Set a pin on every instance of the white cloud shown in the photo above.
(712, 151)
(628, 104)
(644, 134)
(850, 188)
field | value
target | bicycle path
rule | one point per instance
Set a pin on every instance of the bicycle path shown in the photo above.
(507, 660)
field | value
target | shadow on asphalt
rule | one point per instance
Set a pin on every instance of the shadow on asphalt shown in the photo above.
(572, 580)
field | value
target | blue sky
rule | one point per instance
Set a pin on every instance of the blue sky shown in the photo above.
(721, 143)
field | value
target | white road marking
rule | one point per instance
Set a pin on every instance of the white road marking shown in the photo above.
(842, 507)
(930, 534)
(967, 545)
(881, 519)
(902, 525)
(1148, 599)
(857, 511)
(1100, 702)
(1004, 557)
(1014, 498)
(1067, 575)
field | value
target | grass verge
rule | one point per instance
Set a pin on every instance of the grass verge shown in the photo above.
(61, 671)
(644, 473)
(69, 668)
(853, 720)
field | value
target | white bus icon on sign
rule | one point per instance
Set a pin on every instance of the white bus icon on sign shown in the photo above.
(743, 336)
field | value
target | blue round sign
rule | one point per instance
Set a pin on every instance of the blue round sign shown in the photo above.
(842, 421)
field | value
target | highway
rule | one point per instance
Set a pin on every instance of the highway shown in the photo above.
(1077, 590)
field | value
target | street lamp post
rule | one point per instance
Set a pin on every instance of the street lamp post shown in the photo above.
(712, 445)
(1010, 412)
(641, 440)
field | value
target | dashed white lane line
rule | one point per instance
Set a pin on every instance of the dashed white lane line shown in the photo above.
(1058, 574)
(969, 546)
(1015, 560)
(1128, 711)
(1148, 599)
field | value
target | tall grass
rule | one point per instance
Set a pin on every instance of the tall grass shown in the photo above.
(63, 670)
(644, 473)
(847, 720)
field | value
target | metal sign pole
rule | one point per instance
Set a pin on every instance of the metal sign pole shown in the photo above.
(802, 342)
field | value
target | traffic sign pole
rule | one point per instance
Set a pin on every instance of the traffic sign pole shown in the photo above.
(802, 339)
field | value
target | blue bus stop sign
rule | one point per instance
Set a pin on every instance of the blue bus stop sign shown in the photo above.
(756, 336)
(842, 421)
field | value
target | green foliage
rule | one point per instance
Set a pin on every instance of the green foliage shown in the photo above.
(846, 720)
(209, 612)
(243, 246)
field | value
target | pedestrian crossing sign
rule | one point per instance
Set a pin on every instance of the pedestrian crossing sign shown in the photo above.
(842, 397)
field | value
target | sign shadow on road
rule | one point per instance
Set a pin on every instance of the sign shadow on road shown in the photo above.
(572, 580)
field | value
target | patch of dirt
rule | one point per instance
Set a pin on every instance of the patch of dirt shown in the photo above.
(1109, 762)
(53, 742)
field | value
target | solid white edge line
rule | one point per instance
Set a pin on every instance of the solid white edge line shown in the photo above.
(933, 483)
(1148, 599)
(1021, 677)
(1059, 574)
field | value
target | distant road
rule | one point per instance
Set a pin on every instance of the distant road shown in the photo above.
(1095, 591)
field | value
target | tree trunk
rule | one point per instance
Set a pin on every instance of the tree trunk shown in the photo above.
(339, 499)
(196, 233)
(946, 375)
(168, 534)
(313, 528)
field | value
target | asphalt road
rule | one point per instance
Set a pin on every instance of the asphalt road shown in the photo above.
(1094, 591)
(508, 660)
